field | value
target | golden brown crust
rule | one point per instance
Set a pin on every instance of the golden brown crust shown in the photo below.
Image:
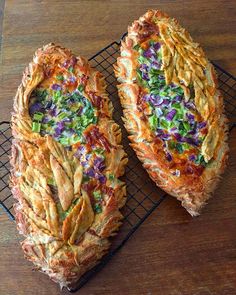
(184, 64)
(63, 249)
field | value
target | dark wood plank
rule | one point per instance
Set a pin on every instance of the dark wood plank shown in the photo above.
(171, 254)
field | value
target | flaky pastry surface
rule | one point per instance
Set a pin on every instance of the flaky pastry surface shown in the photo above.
(176, 122)
(65, 183)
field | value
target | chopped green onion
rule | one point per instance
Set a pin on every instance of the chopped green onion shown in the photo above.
(200, 160)
(179, 148)
(171, 144)
(97, 195)
(153, 121)
(41, 93)
(65, 141)
(61, 116)
(151, 42)
(97, 208)
(136, 47)
(38, 116)
(111, 176)
(80, 87)
(71, 69)
(60, 77)
(143, 60)
(176, 106)
(76, 138)
(56, 95)
(186, 126)
(185, 146)
(85, 178)
(36, 127)
(164, 124)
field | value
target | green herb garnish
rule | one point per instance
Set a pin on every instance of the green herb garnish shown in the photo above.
(38, 116)
(179, 148)
(60, 77)
(71, 69)
(97, 195)
(80, 87)
(97, 208)
(153, 121)
(36, 126)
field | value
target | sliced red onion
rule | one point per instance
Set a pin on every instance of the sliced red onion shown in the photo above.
(159, 131)
(192, 141)
(70, 132)
(90, 172)
(176, 173)
(48, 105)
(102, 179)
(166, 102)
(201, 125)
(157, 46)
(190, 117)
(36, 107)
(145, 76)
(73, 61)
(156, 100)
(156, 65)
(72, 79)
(143, 67)
(45, 120)
(56, 87)
(99, 163)
(168, 157)
(80, 151)
(88, 156)
(178, 137)
(146, 97)
(160, 77)
(189, 170)
(173, 129)
(67, 120)
(162, 135)
(54, 111)
(192, 132)
(66, 63)
(60, 127)
(57, 132)
(190, 105)
(83, 163)
(178, 98)
(171, 115)
(192, 158)
(149, 52)
(172, 85)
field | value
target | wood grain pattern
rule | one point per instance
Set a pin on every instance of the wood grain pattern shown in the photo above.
(171, 254)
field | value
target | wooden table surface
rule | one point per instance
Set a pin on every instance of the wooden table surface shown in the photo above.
(172, 253)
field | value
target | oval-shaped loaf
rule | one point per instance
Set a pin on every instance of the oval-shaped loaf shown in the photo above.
(172, 108)
(66, 161)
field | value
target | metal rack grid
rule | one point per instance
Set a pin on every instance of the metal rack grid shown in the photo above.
(143, 197)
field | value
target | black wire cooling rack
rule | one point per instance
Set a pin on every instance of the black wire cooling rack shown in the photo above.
(143, 197)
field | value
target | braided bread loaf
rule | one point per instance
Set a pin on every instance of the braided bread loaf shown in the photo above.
(172, 108)
(66, 161)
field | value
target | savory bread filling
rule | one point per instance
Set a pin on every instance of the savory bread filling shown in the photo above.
(60, 108)
(172, 118)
